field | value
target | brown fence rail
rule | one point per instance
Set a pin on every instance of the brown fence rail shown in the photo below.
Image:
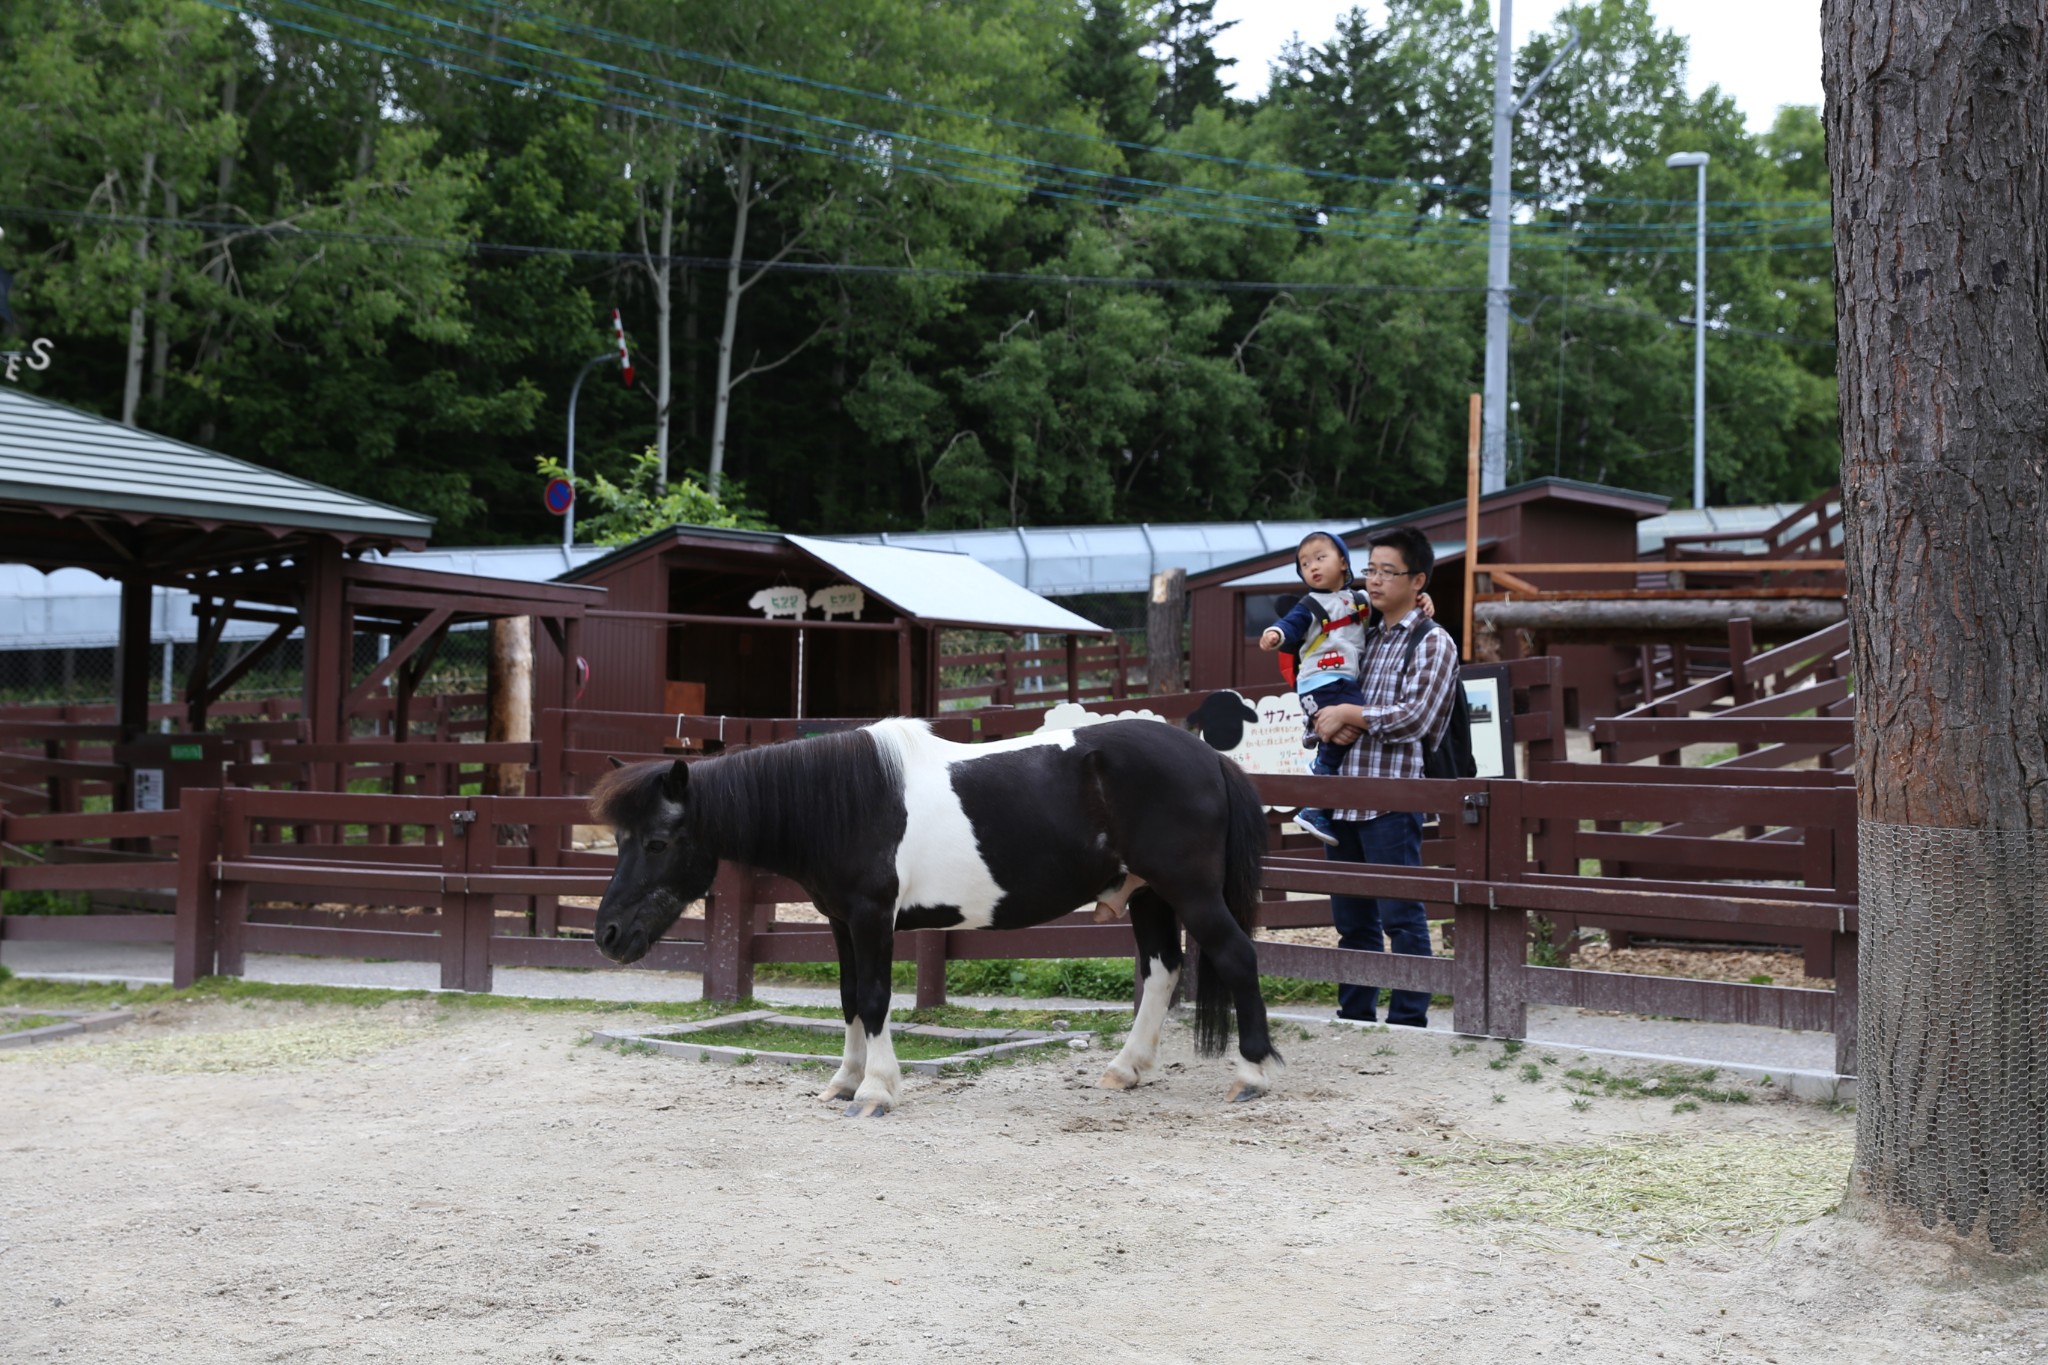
(475, 882)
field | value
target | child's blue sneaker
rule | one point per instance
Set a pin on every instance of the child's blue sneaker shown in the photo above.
(1316, 822)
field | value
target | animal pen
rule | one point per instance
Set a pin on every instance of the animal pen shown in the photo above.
(475, 882)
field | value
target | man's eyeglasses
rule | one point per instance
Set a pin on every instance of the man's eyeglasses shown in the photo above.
(1375, 571)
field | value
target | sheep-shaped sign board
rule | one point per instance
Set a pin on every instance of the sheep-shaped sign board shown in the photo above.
(780, 601)
(841, 599)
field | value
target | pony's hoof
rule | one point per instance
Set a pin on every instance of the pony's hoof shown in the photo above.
(1240, 1093)
(833, 1094)
(868, 1109)
(1114, 1079)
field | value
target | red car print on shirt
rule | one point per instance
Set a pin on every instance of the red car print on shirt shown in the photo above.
(1331, 661)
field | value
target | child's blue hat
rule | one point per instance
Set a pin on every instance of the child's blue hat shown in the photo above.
(1343, 552)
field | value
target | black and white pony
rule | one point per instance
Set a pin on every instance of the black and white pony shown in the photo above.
(889, 828)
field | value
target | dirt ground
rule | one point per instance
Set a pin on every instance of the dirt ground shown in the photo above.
(276, 1182)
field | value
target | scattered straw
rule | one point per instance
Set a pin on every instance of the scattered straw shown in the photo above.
(1662, 1189)
(254, 1049)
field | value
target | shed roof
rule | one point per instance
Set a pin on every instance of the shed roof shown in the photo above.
(61, 458)
(942, 588)
(932, 586)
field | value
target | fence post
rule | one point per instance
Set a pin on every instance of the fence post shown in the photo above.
(1073, 667)
(1507, 930)
(1468, 923)
(931, 968)
(729, 935)
(231, 897)
(1845, 1006)
(465, 919)
(192, 955)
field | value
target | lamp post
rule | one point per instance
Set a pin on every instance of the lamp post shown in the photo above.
(569, 517)
(1678, 161)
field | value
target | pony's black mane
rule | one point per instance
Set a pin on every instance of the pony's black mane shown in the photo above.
(801, 808)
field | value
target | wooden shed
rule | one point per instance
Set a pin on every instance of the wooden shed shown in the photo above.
(706, 621)
(1546, 519)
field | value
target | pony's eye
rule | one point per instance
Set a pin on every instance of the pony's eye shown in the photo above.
(656, 845)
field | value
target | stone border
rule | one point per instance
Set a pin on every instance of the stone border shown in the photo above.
(75, 1022)
(996, 1042)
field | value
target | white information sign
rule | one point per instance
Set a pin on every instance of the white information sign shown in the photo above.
(1271, 745)
(779, 601)
(1482, 703)
(149, 789)
(841, 599)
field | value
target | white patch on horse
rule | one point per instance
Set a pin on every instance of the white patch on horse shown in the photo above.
(1140, 1053)
(939, 862)
(853, 1061)
(881, 1086)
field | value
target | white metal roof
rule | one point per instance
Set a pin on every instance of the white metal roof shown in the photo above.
(936, 586)
(1064, 560)
(50, 453)
(1694, 521)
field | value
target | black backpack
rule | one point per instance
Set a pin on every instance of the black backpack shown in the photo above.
(1452, 756)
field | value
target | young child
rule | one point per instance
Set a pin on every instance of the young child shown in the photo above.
(1326, 631)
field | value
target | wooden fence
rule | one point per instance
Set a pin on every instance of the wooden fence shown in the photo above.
(476, 882)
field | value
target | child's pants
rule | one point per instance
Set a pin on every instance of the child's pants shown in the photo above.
(1343, 692)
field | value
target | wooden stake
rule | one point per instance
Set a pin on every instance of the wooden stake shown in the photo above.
(1471, 522)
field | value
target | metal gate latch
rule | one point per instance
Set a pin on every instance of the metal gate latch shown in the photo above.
(1474, 803)
(463, 819)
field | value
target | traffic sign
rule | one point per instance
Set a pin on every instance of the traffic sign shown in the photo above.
(561, 496)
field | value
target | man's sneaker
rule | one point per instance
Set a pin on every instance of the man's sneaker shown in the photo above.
(1316, 822)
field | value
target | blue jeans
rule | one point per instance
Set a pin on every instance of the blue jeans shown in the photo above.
(1342, 692)
(1373, 925)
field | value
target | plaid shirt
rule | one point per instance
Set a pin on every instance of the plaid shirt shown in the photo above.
(1403, 708)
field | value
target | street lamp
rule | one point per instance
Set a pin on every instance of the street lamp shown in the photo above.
(569, 516)
(1678, 161)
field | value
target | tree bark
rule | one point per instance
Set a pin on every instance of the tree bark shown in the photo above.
(721, 397)
(1937, 134)
(138, 330)
(664, 314)
(509, 694)
(1164, 619)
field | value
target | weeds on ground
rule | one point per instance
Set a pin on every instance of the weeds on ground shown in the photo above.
(1669, 1083)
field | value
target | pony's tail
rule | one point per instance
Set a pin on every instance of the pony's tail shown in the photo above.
(1244, 851)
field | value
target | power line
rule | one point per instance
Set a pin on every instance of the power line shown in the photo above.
(290, 231)
(771, 73)
(1303, 225)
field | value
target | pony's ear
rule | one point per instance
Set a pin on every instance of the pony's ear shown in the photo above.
(676, 780)
(617, 762)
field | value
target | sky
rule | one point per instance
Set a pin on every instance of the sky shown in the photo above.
(1763, 53)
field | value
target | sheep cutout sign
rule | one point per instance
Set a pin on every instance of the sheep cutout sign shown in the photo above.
(841, 599)
(779, 601)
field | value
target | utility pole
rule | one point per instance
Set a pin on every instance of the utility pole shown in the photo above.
(1493, 448)
(1679, 161)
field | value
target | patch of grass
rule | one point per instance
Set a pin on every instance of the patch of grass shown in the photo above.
(1672, 1082)
(1580, 1104)
(1383, 1051)
(1686, 1107)
(44, 903)
(1531, 1072)
(22, 1023)
(1664, 1189)
(1460, 1049)
(1762, 980)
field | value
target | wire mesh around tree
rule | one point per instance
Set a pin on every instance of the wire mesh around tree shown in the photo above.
(1952, 1111)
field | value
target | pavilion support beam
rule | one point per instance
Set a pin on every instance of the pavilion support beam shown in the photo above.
(131, 659)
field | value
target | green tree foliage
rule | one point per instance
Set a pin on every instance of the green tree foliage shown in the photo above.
(1018, 262)
(643, 501)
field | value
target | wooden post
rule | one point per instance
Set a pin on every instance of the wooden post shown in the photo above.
(906, 702)
(509, 695)
(131, 665)
(465, 919)
(231, 898)
(729, 935)
(931, 968)
(1471, 521)
(1073, 667)
(192, 955)
(1164, 620)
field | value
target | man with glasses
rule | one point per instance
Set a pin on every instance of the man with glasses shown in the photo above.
(1407, 671)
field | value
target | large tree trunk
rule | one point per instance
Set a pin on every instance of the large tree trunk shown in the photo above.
(1937, 124)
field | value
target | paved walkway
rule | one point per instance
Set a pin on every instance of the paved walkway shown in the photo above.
(1803, 1061)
